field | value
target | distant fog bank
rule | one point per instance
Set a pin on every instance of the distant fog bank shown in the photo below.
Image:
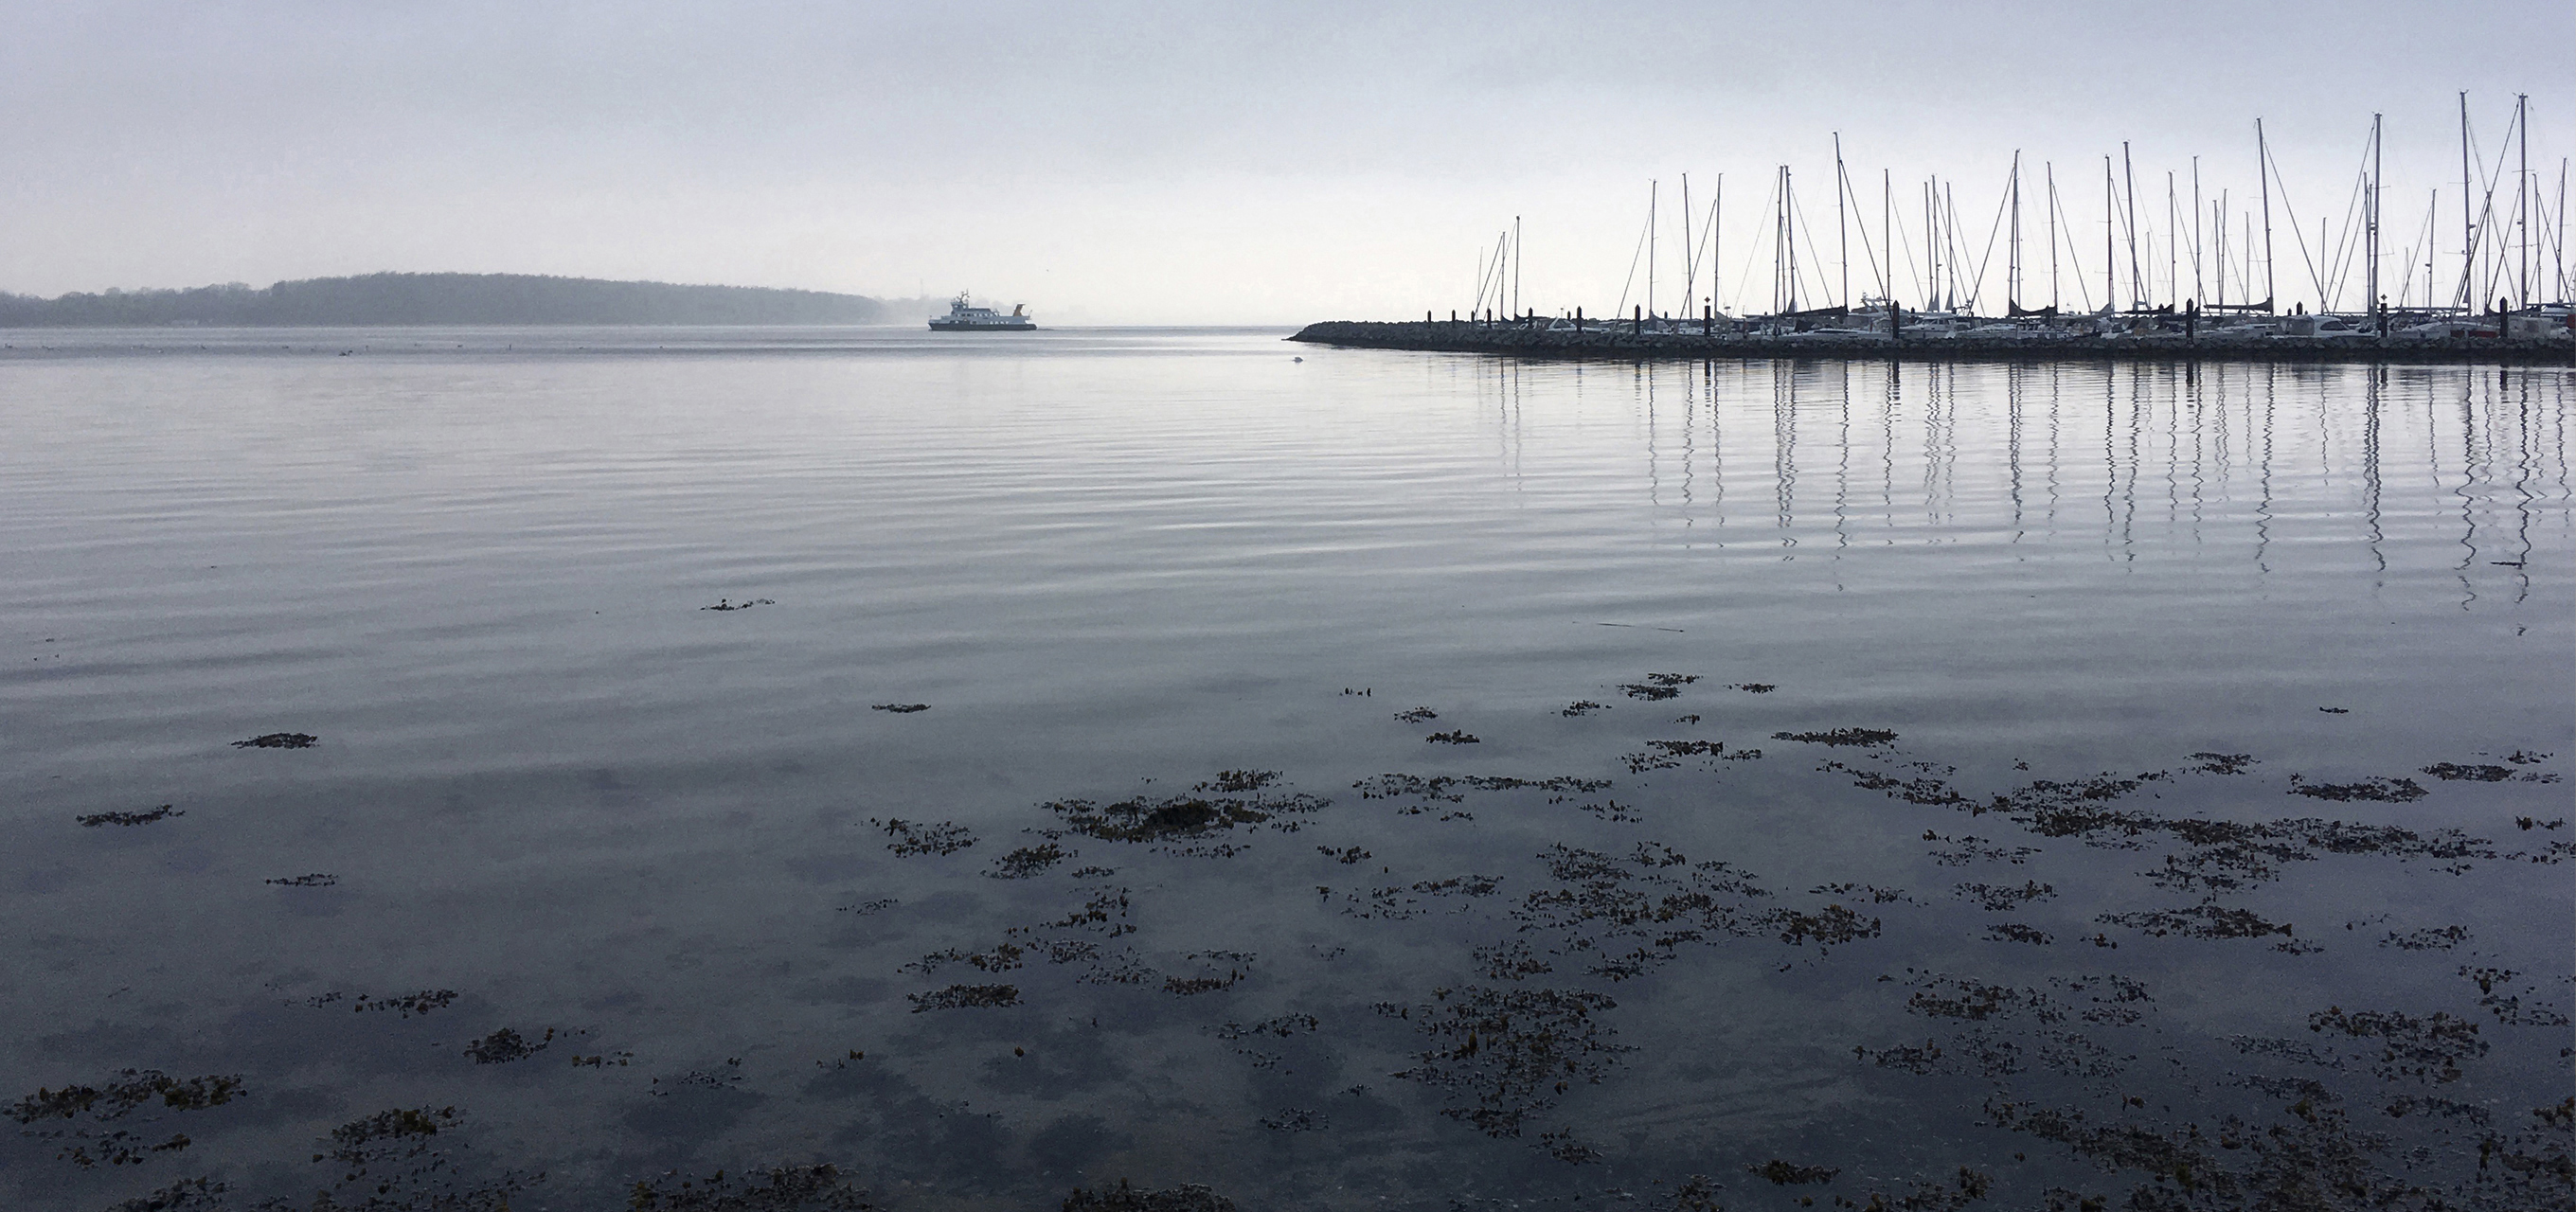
(408, 299)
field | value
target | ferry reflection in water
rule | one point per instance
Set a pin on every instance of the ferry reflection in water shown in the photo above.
(1419, 781)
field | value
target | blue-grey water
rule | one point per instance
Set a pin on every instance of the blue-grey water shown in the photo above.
(2217, 850)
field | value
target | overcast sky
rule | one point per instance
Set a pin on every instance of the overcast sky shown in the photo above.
(1194, 163)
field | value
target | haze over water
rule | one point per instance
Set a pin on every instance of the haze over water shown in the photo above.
(2229, 709)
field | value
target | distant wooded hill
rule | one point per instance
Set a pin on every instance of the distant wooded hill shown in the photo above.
(390, 298)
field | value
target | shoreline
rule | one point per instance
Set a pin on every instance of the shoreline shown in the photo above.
(1473, 337)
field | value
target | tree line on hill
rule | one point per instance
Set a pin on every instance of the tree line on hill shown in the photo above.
(429, 299)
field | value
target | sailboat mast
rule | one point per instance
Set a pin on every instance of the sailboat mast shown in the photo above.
(2199, 290)
(2173, 243)
(1690, 254)
(1717, 242)
(2370, 251)
(2052, 233)
(2012, 263)
(1789, 227)
(1516, 265)
(2468, 214)
(1650, 247)
(2263, 164)
(2522, 194)
(2110, 239)
(2129, 173)
(1887, 228)
(1842, 224)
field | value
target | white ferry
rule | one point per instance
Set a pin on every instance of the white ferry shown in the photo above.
(964, 316)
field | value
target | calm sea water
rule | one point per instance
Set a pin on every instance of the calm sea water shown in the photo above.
(1371, 780)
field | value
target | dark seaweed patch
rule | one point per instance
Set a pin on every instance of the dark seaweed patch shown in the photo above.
(1658, 686)
(1282, 1026)
(118, 1148)
(1293, 1119)
(963, 997)
(505, 1045)
(2454, 772)
(280, 740)
(1582, 707)
(2015, 932)
(1237, 782)
(1123, 1198)
(1453, 737)
(1346, 855)
(2223, 763)
(1754, 687)
(900, 708)
(728, 604)
(317, 879)
(185, 1195)
(1192, 816)
(96, 819)
(1453, 788)
(1839, 736)
(361, 1142)
(1665, 755)
(1965, 850)
(1028, 861)
(1786, 1174)
(1830, 926)
(2430, 1047)
(2429, 938)
(811, 1188)
(403, 1007)
(2005, 898)
(1507, 1054)
(2207, 920)
(925, 837)
(1001, 958)
(1510, 960)
(1923, 789)
(130, 1090)
(2387, 791)
(1419, 715)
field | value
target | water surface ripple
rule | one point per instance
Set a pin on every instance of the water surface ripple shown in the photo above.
(1966, 785)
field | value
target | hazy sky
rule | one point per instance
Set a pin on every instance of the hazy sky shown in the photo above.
(1192, 163)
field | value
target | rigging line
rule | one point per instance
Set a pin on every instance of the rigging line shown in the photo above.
(1977, 285)
(2481, 244)
(1947, 205)
(2068, 234)
(1812, 257)
(1708, 237)
(1753, 253)
(1865, 248)
(2302, 237)
(2349, 241)
(1903, 242)
(1633, 259)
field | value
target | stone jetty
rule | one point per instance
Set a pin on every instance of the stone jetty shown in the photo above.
(1625, 340)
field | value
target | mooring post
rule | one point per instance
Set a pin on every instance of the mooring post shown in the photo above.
(2191, 320)
(1578, 319)
(1639, 321)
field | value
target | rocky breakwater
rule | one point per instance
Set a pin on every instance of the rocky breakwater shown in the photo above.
(1622, 339)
